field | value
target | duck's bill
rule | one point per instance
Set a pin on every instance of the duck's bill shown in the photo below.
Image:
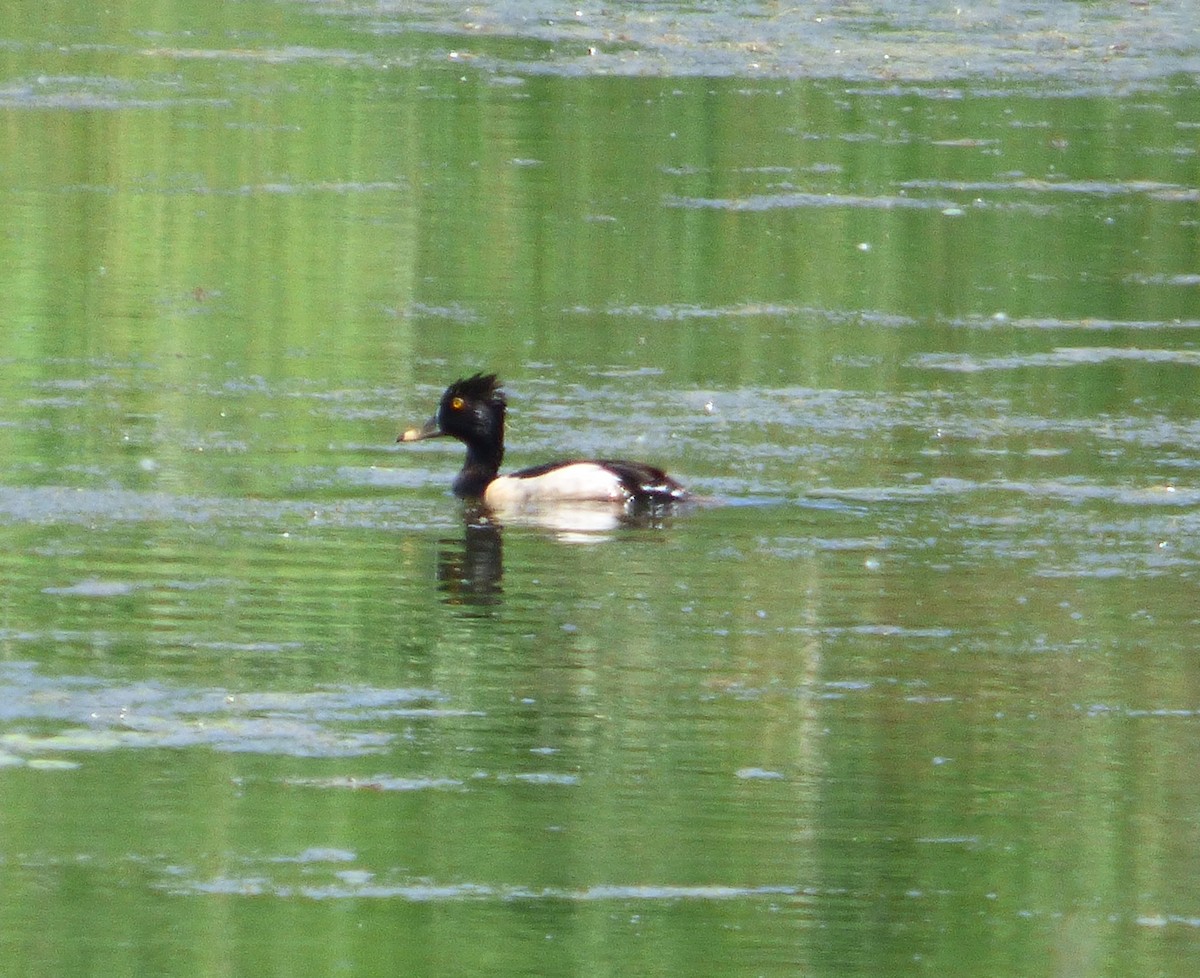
(430, 429)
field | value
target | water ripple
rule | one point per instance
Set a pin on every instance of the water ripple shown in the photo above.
(94, 715)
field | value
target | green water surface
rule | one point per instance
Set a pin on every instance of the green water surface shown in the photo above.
(908, 299)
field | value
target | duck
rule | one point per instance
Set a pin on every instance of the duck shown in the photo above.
(473, 411)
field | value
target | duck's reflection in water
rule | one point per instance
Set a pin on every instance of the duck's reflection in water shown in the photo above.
(470, 569)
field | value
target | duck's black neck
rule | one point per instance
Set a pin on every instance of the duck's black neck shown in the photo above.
(478, 471)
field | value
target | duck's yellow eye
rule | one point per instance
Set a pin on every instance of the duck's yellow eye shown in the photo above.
(457, 404)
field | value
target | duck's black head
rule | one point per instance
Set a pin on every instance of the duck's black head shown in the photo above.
(471, 410)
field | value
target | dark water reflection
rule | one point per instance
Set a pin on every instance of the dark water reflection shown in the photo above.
(470, 570)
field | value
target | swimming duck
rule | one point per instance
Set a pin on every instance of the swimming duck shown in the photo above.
(472, 410)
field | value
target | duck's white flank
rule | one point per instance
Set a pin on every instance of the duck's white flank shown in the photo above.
(576, 482)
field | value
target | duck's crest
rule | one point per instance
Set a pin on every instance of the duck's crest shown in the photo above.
(482, 387)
